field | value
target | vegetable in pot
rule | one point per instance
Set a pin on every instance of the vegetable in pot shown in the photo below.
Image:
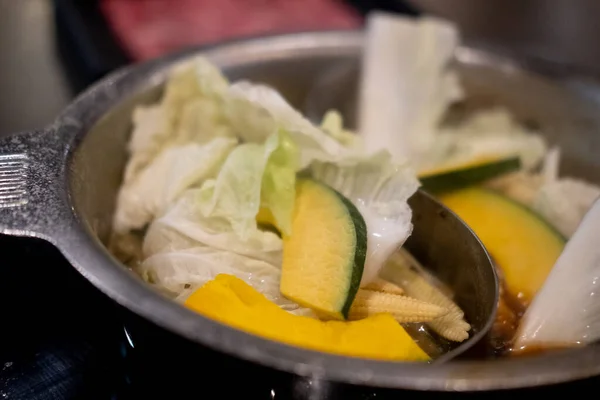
(229, 300)
(324, 257)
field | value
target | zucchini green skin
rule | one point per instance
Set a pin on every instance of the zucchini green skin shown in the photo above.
(468, 176)
(360, 252)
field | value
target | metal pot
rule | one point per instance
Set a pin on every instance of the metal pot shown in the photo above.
(64, 181)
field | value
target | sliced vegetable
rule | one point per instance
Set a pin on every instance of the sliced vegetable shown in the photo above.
(522, 186)
(379, 187)
(184, 226)
(323, 259)
(177, 273)
(254, 175)
(402, 269)
(520, 242)
(565, 311)
(231, 301)
(278, 182)
(190, 111)
(467, 174)
(333, 124)
(149, 193)
(257, 111)
(565, 202)
(406, 83)
(403, 309)
(381, 285)
(487, 133)
(265, 217)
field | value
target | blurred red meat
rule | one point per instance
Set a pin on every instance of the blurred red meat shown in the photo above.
(150, 28)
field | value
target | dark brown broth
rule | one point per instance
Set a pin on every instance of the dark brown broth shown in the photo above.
(511, 308)
(536, 350)
(510, 311)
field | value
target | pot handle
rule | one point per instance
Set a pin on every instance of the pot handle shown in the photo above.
(33, 201)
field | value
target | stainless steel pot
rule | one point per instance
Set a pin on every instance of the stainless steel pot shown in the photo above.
(62, 183)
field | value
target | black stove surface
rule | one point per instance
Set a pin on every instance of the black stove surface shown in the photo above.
(60, 335)
(63, 339)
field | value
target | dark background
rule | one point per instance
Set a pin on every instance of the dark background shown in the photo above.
(52, 49)
(39, 73)
(33, 86)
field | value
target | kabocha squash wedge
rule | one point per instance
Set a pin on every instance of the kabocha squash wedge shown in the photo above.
(231, 301)
(324, 257)
(467, 174)
(331, 260)
(520, 242)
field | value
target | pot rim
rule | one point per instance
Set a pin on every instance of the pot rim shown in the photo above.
(82, 248)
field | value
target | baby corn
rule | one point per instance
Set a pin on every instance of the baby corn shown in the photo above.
(381, 285)
(404, 309)
(452, 325)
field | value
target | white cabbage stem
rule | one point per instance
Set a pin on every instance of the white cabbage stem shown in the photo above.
(566, 310)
